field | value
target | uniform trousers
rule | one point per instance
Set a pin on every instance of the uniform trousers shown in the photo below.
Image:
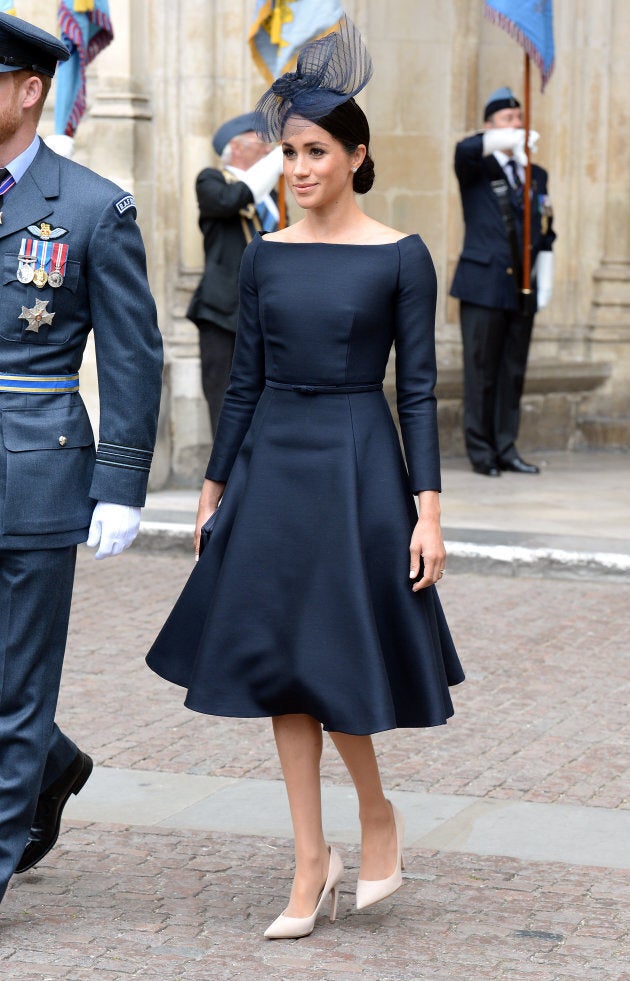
(35, 596)
(216, 347)
(496, 346)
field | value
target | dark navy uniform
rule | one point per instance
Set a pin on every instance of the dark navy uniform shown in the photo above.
(51, 474)
(228, 219)
(495, 333)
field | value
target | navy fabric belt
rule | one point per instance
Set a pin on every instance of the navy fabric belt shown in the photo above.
(325, 389)
(42, 384)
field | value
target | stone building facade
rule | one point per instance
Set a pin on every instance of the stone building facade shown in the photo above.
(176, 71)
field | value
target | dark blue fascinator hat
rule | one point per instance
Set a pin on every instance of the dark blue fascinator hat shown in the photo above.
(329, 71)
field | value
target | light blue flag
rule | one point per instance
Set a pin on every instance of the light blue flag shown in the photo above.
(85, 30)
(530, 23)
(7, 7)
(282, 27)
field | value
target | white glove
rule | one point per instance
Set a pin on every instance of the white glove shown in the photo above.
(113, 525)
(507, 138)
(502, 138)
(263, 176)
(532, 142)
(543, 271)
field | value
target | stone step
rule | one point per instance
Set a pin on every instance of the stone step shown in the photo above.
(552, 408)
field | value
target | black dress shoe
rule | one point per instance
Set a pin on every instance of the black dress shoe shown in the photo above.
(517, 465)
(487, 469)
(45, 828)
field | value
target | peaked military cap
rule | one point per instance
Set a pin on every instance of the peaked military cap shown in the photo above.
(230, 129)
(22, 45)
(503, 98)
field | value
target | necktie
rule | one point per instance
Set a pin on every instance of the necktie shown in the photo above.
(516, 180)
(267, 220)
(6, 183)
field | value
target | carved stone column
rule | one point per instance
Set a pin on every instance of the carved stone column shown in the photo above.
(203, 78)
(608, 421)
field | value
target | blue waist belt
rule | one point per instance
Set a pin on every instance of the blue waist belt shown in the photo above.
(39, 384)
(325, 389)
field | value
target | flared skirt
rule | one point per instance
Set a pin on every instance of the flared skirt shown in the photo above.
(301, 602)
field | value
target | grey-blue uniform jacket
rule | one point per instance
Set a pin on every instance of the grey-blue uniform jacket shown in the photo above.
(50, 473)
(484, 273)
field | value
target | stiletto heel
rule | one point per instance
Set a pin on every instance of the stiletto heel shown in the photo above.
(370, 891)
(292, 927)
(334, 903)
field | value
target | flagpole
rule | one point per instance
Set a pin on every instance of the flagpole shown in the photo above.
(282, 204)
(527, 213)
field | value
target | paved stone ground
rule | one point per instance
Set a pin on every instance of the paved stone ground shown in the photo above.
(118, 904)
(540, 718)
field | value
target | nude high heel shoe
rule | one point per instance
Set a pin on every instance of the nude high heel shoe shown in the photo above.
(292, 927)
(370, 891)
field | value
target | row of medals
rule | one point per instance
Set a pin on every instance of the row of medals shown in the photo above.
(29, 272)
(39, 277)
(26, 273)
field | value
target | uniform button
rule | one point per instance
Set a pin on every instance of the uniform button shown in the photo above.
(509, 270)
(63, 440)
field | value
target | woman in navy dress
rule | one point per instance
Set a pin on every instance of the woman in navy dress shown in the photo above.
(314, 602)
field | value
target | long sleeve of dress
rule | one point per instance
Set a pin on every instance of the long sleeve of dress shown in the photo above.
(416, 370)
(247, 378)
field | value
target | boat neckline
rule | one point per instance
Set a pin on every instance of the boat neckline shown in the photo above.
(345, 245)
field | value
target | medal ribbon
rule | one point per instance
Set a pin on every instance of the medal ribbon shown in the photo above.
(26, 249)
(41, 253)
(59, 258)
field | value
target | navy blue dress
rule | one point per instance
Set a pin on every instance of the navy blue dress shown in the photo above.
(302, 601)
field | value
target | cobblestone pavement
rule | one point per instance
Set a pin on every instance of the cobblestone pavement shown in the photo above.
(540, 718)
(119, 904)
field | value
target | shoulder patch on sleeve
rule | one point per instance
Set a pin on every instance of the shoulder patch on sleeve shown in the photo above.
(124, 204)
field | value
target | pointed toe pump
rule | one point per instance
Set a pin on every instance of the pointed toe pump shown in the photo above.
(370, 891)
(292, 927)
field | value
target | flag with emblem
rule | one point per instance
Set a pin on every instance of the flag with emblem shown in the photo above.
(282, 27)
(85, 29)
(530, 23)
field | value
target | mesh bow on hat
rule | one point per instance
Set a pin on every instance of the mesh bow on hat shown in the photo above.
(329, 71)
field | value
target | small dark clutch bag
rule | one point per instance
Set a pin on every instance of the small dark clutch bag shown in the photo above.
(206, 530)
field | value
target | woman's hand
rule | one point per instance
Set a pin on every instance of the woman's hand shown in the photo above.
(426, 549)
(211, 493)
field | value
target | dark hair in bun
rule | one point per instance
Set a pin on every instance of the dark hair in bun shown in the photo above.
(348, 124)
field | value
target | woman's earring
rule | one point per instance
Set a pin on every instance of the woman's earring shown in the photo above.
(354, 170)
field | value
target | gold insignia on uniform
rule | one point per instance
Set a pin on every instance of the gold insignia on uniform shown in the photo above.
(46, 231)
(36, 316)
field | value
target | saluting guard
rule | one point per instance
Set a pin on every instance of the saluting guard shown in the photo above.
(73, 261)
(496, 317)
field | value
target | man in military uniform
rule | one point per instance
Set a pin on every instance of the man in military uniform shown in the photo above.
(496, 326)
(234, 203)
(73, 261)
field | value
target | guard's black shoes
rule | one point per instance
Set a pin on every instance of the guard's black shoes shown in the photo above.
(516, 465)
(45, 828)
(487, 469)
